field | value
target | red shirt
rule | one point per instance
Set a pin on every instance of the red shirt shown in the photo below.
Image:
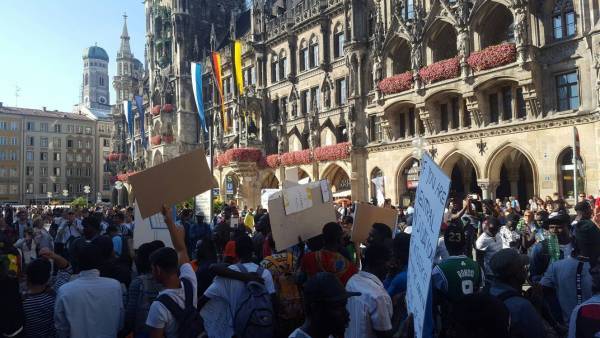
(328, 261)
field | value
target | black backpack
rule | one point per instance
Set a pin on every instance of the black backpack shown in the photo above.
(189, 322)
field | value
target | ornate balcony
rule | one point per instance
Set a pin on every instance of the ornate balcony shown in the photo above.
(396, 83)
(441, 70)
(493, 56)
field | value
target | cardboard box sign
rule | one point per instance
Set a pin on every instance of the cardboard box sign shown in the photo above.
(306, 223)
(367, 214)
(172, 182)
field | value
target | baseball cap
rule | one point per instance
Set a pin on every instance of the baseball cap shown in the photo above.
(326, 287)
(507, 262)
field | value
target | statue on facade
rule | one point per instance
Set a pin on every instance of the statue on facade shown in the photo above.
(326, 90)
(520, 26)
(352, 65)
(597, 67)
(416, 44)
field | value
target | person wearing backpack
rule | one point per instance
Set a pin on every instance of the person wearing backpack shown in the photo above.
(173, 314)
(282, 266)
(142, 291)
(244, 309)
(510, 271)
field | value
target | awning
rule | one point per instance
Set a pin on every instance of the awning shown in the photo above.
(343, 193)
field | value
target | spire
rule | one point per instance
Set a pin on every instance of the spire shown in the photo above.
(125, 49)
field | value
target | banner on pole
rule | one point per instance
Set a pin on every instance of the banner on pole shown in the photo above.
(430, 202)
(197, 85)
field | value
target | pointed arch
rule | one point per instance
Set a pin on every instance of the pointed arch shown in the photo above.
(338, 178)
(405, 175)
(513, 169)
(463, 172)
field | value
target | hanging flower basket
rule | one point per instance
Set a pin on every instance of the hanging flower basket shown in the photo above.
(168, 108)
(115, 157)
(273, 161)
(441, 70)
(168, 139)
(156, 140)
(125, 176)
(493, 56)
(336, 152)
(155, 111)
(396, 83)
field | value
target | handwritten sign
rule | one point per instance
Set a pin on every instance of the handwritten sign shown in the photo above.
(430, 201)
(297, 198)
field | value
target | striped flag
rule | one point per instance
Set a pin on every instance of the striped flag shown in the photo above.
(197, 85)
(237, 63)
(140, 106)
(128, 112)
(216, 65)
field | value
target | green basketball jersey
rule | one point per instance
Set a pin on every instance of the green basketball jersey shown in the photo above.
(462, 276)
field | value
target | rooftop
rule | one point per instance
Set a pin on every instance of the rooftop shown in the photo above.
(42, 113)
(95, 52)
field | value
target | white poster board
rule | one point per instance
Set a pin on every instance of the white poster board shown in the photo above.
(297, 198)
(265, 194)
(430, 202)
(202, 202)
(379, 183)
(150, 229)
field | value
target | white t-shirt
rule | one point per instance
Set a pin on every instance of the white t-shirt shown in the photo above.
(159, 316)
(370, 311)
(224, 296)
(490, 245)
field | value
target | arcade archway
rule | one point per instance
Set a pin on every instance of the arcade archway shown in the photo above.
(463, 175)
(338, 180)
(514, 174)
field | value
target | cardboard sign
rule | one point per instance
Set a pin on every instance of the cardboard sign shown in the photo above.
(306, 223)
(430, 202)
(150, 229)
(297, 198)
(172, 182)
(367, 214)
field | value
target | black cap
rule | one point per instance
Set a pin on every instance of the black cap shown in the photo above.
(583, 206)
(507, 262)
(326, 287)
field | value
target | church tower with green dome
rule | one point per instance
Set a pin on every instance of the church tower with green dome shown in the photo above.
(95, 91)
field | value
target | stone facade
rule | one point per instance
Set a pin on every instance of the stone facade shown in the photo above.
(494, 87)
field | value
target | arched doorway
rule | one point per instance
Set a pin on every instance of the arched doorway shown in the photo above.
(338, 180)
(565, 174)
(408, 180)
(270, 182)
(514, 173)
(463, 175)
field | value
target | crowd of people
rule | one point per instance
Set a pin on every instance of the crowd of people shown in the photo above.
(501, 270)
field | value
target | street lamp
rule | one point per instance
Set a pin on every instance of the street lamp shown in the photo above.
(87, 190)
(49, 194)
(65, 194)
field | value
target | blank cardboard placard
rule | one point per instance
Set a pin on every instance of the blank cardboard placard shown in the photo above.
(306, 223)
(150, 229)
(367, 214)
(172, 182)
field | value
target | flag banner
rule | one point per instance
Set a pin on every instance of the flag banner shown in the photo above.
(216, 64)
(237, 62)
(139, 102)
(197, 85)
(128, 112)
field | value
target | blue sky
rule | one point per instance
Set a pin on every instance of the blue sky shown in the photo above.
(41, 43)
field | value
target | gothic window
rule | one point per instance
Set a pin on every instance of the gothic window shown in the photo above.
(563, 20)
(274, 70)
(303, 56)
(376, 131)
(493, 104)
(314, 52)
(282, 65)
(521, 107)
(338, 42)
(507, 103)
(408, 9)
(85, 80)
(304, 103)
(567, 88)
(341, 91)
(101, 78)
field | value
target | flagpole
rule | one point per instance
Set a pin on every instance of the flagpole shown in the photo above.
(575, 145)
(211, 145)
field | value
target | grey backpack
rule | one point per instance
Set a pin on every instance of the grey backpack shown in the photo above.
(254, 315)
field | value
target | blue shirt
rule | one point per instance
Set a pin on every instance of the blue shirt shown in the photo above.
(89, 307)
(398, 285)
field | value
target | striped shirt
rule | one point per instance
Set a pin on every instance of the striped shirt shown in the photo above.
(39, 308)
(372, 310)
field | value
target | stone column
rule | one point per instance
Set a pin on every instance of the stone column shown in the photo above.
(514, 184)
(488, 188)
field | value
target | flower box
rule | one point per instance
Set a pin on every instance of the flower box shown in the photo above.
(296, 158)
(493, 56)
(168, 108)
(340, 151)
(239, 155)
(115, 157)
(155, 111)
(168, 139)
(273, 161)
(396, 83)
(441, 70)
(156, 140)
